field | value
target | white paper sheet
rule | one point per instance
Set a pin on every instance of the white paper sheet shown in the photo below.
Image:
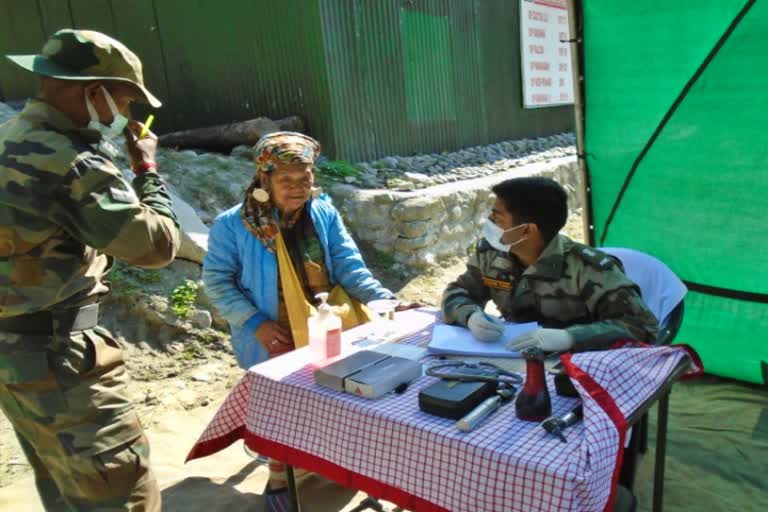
(454, 340)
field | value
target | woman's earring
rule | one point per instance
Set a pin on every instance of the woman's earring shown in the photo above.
(260, 195)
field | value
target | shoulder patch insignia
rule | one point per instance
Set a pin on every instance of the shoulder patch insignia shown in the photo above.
(107, 148)
(497, 284)
(123, 196)
(597, 259)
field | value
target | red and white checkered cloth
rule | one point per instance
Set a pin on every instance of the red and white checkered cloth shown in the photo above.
(392, 450)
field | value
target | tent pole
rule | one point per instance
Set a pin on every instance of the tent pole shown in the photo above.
(575, 22)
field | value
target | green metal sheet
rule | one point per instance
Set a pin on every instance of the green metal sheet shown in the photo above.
(352, 126)
(502, 74)
(20, 33)
(242, 60)
(470, 127)
(54, 16)
(428, 67)
(92, 15)
(427, 75)
(136, 26)
(371, 78)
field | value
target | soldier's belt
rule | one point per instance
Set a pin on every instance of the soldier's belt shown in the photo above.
(53, 321)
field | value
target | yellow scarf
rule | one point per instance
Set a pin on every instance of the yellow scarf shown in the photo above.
(351, 311)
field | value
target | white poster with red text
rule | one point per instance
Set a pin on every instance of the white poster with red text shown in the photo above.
(546, 54)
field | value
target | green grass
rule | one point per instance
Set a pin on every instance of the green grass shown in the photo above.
(127, 280)
(183, 299)
(336, 169)
(192, 351)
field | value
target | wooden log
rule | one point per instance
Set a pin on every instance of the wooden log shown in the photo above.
(224, 137)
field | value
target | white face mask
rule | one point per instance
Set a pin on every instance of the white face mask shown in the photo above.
(493, 234)
(119, 121)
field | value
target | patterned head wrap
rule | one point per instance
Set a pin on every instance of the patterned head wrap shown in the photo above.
(285, 147)
(260, 218)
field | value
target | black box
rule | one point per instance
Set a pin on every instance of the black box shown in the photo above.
(454, 399)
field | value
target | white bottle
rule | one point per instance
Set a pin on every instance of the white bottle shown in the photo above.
(324, 330)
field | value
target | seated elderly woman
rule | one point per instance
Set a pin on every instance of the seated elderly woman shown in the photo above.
(280, 230)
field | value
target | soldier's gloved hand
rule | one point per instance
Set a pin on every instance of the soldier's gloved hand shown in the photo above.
(140, 150)
(549, 340)
(484, 327)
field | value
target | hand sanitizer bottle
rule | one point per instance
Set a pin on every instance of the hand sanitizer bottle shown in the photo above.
(324, 331)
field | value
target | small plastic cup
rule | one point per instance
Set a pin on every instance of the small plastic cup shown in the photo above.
(384, 308)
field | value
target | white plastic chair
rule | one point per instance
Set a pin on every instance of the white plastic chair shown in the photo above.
(660, 288)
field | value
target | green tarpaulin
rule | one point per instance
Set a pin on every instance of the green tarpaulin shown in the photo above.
(675, 102)
(717, 449)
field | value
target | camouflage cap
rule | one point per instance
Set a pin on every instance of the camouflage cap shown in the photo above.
(86, 55)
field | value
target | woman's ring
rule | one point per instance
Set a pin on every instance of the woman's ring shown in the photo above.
(274, 342)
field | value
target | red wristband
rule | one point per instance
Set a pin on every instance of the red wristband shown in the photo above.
(144, 166)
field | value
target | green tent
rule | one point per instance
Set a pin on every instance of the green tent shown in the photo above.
(674, 97)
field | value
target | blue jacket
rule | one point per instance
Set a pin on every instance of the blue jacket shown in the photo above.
(240, 275)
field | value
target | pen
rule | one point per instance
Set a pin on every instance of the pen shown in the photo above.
(147, 125)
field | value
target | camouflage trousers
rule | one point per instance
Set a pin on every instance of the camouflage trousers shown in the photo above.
(65, 396)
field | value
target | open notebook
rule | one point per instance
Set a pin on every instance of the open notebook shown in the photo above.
(454, 340)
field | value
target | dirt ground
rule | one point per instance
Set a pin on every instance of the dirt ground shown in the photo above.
(175, 400)
(176, 396)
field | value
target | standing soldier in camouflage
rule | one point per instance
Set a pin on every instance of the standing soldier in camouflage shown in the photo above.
(578, 294)
(65, 213)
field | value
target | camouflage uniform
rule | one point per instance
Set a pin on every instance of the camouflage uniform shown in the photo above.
(571, 286)
(65, 212)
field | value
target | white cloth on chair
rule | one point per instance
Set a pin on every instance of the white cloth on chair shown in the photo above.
(660, 288)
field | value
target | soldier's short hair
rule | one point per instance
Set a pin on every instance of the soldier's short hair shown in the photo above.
(541, 201)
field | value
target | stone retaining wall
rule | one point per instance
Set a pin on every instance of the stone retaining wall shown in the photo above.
(421, 227)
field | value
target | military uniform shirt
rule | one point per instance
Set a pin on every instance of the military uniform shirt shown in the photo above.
(570, 286)
(65, 210)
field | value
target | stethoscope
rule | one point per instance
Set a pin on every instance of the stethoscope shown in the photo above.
(464, 371)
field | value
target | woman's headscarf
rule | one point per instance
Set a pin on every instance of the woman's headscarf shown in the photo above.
(284, 147)
(272, 149)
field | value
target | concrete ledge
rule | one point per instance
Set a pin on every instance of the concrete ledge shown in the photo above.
(421, 227)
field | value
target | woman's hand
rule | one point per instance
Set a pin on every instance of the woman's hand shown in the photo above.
(274, 338)
(413, 305)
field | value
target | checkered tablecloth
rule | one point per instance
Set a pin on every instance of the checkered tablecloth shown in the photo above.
(389, 448)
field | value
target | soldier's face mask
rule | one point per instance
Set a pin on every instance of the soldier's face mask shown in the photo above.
(494, 234)
(119, 121)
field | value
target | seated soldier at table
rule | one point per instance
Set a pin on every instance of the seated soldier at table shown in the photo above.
(579, 295)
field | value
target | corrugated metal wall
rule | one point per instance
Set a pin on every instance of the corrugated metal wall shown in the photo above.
(371, 77)
(25, 24)
(385, 100)
(209, 61)
(232, 60)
